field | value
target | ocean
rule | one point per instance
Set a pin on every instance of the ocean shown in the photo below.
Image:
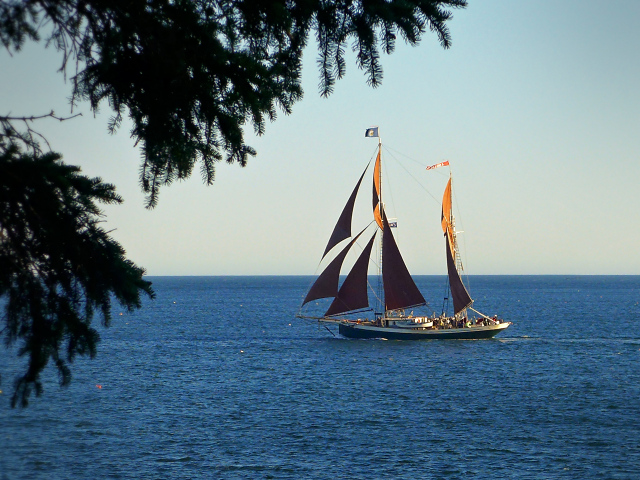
(216, 379)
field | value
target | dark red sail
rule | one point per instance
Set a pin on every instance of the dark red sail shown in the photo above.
(353, 292)
(326, 285)
(342, 229)
(461, 298)
(400, 291)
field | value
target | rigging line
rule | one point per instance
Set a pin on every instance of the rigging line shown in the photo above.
(373, 260)
(337, 316)
(419, 163)
(388, 185)
(363, 230)
(464, 240)
(329, 330)
(373, 291)
(479, 313)
(375, 264)
(374, 154)
(315, 274)
(406, 156)
(409, 173)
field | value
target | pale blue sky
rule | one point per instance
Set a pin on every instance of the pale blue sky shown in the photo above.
(536, 106)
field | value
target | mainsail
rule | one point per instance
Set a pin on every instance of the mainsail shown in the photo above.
(461, 298)
(400, 291)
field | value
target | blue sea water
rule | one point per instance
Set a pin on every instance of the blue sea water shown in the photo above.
(217, 379)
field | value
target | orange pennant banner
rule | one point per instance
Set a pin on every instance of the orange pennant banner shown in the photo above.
(441, 164)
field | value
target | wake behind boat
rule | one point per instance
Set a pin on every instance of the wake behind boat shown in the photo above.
(398, 291)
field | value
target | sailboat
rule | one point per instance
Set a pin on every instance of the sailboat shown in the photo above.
(398, 296)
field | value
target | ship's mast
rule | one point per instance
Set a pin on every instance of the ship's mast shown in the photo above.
(458, 259)
(380, 284)
(456, 251)
(452, 221)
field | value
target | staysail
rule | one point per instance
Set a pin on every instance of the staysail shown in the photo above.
(326, 285)
(353, 292)
(461, 298)
(342, 229)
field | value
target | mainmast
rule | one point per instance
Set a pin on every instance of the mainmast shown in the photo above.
(454, 233)
(380, 282)
(377, 214)
(397, 289)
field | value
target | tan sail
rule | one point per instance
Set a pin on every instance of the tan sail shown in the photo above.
(459, 293)
(376, 193)
(445, 220)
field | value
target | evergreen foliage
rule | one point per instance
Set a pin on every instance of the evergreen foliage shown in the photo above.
(58, 266)
(192, 73)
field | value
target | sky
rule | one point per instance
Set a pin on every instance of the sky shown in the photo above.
(536, 106)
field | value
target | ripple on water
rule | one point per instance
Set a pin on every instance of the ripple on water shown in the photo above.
(257, 398)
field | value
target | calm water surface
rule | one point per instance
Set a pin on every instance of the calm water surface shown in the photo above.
(216, 379)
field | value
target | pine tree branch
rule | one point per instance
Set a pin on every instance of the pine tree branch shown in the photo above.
(51, 114)
(10, 134)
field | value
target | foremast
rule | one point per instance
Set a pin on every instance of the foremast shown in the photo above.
(377, 216)
(398, 291)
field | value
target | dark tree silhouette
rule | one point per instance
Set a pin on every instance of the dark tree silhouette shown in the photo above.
(58, 266)
(191, 75)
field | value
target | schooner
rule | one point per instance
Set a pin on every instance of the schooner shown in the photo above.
(399, 291)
